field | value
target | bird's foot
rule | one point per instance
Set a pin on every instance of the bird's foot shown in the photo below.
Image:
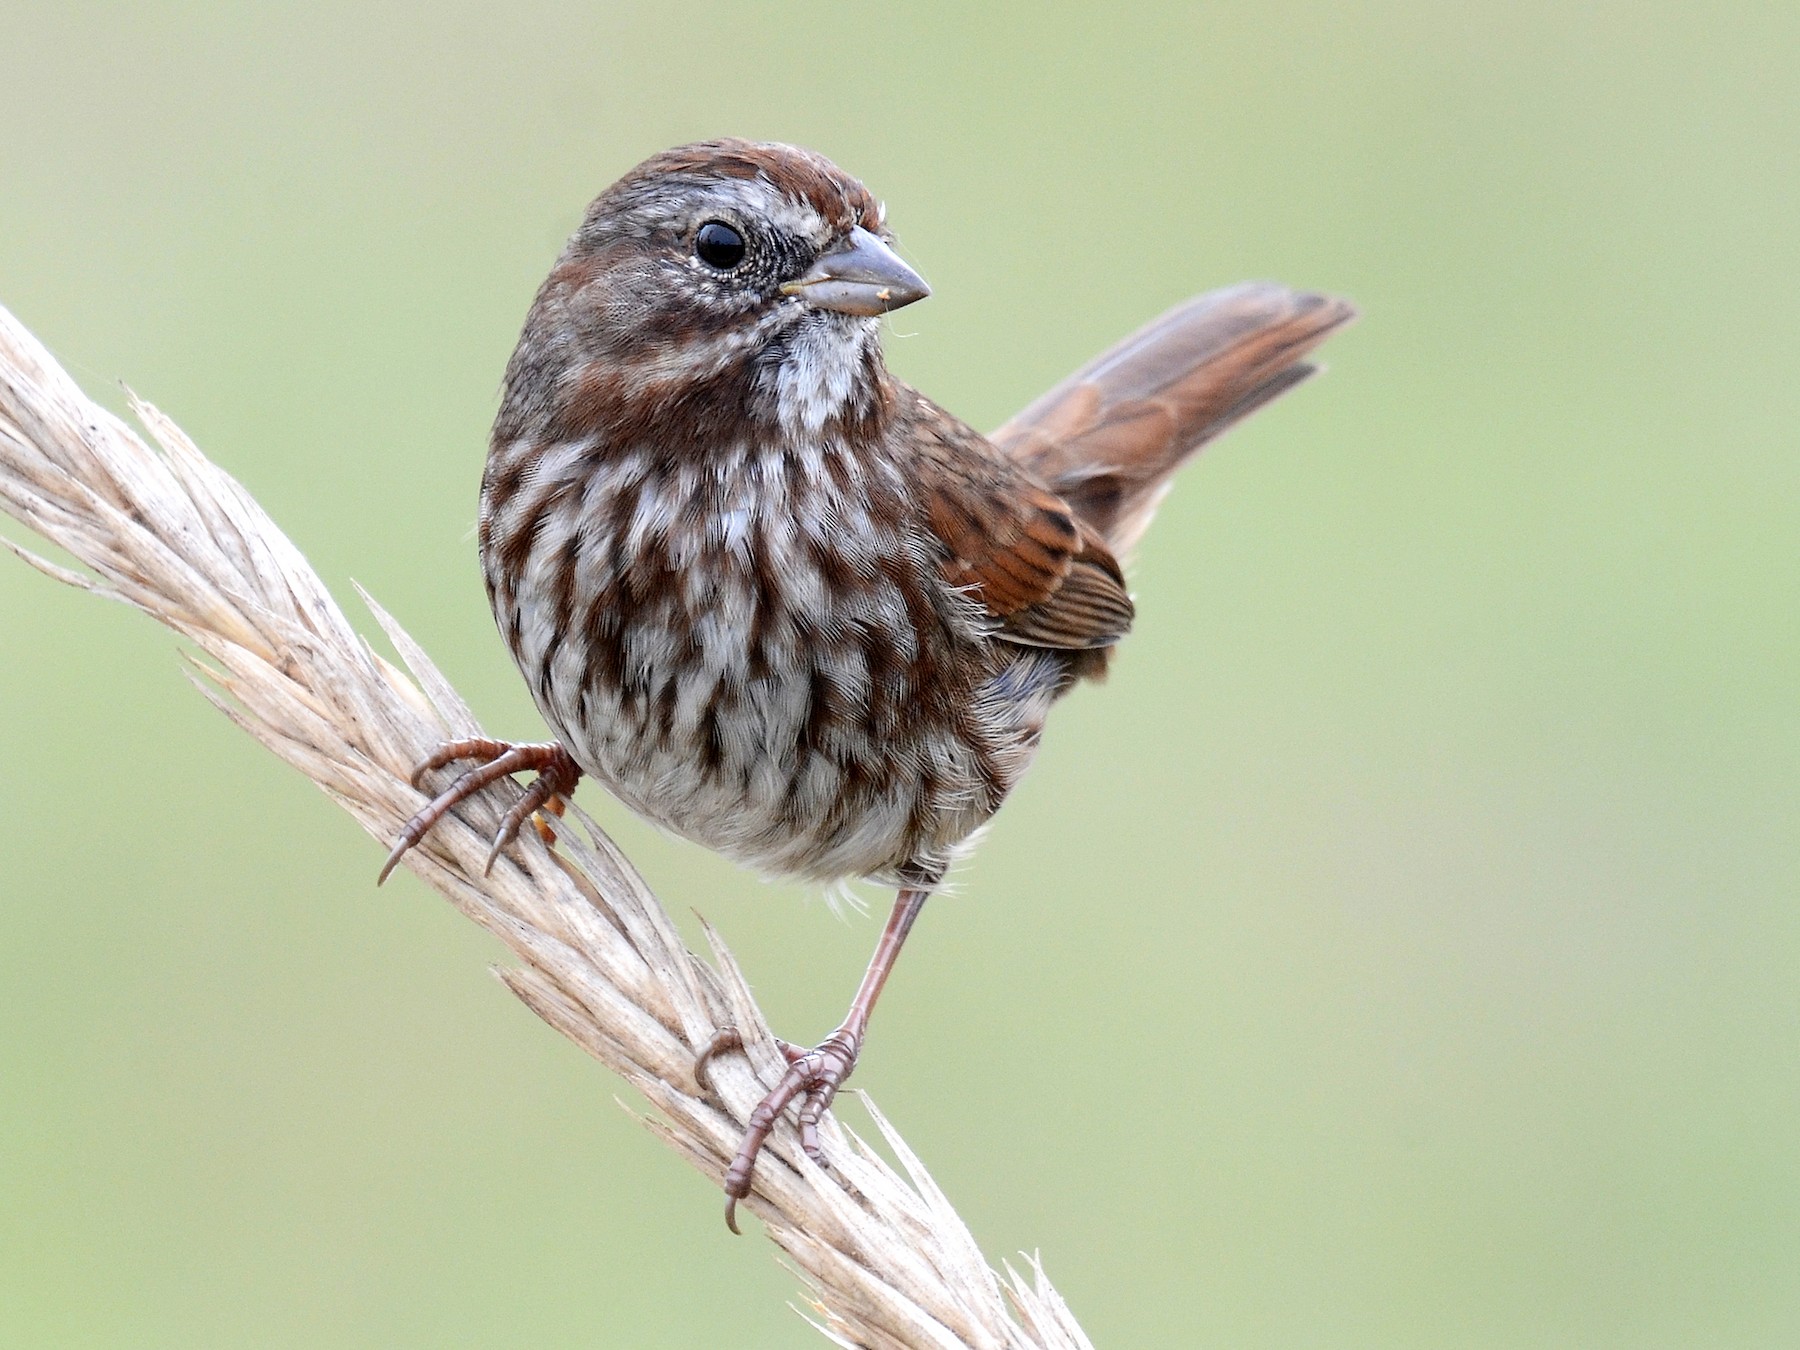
(557, 775)
(813, 1077)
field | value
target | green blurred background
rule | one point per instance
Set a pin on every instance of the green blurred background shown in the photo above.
(1403, 949)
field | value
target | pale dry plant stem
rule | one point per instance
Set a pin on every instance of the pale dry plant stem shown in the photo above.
(885, 1259)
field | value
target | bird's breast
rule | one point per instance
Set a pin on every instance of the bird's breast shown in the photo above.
(756, 652)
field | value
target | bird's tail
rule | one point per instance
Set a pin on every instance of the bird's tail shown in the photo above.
(1110, 437)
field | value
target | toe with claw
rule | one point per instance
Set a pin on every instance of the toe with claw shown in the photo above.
(557, 775)
(813, 1078)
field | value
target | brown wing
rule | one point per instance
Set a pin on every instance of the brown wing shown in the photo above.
(1109, 438)
(1043, 574)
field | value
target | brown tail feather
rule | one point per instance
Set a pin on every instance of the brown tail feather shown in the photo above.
(1111, 436)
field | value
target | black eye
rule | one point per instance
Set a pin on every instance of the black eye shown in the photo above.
(718, 245)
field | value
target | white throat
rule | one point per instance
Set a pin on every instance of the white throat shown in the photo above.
(816, 379)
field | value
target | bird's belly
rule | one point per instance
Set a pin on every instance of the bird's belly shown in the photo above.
(800, 746)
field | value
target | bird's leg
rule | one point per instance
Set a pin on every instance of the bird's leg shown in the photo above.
(557, 775)
(814, 1076)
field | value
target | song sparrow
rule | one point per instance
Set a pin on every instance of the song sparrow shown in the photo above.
(778, 601)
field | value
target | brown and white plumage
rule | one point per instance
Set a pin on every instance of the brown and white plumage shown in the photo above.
(778, 601)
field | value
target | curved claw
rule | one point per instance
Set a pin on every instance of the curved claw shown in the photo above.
(725, 1038)
(557, 777)
(730, 1038)
(552, 781)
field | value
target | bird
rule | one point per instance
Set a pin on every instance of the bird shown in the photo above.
(779, 602)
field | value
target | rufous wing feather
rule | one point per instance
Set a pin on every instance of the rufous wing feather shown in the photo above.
(1042, 574)
(1110, 437)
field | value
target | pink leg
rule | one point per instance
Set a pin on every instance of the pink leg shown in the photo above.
(815, 1075)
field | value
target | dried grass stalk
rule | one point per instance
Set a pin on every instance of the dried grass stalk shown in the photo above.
(886, 1260)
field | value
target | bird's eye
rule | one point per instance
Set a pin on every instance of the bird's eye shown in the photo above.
(718, 245)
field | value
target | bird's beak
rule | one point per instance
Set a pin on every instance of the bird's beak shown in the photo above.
(860, 276)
